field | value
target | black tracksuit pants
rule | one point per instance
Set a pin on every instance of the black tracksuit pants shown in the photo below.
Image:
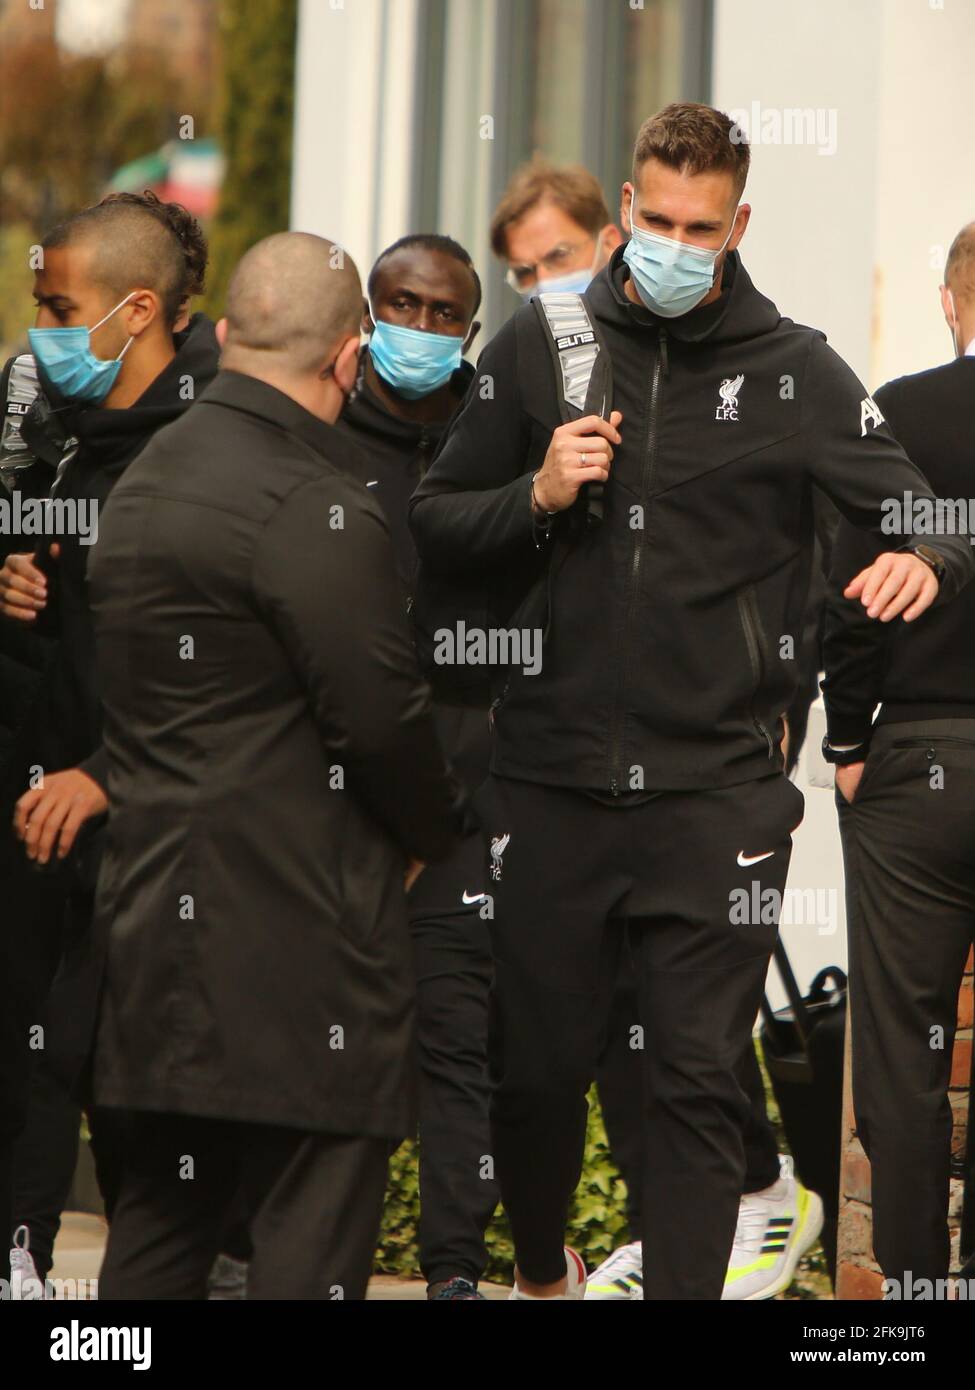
(909, 842)
(458, 1191)
(31, 917)
(313, 1204)
(619, 1079)
(569, 873)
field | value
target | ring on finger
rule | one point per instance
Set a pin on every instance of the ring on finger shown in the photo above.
(582, 459)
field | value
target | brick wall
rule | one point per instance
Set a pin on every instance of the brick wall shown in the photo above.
(858, 1276)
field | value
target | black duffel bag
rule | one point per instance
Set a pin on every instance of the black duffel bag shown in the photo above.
(803, 1049)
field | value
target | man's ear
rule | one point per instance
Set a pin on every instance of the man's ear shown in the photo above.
(741, 222)
(948, 308)
(474, 330)
(346, 369)
(609, 238)
(367, 323)
(626, 206)
(221, 332)
(142, 310)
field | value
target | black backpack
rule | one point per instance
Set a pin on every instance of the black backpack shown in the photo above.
(582, 377)
(803, 1049)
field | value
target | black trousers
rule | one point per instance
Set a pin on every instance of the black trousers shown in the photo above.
(313, 1205)
(31, 921)
(909, 842)
(57, 1085)
(569, 875)
(45, 1159)
(619, 1079)
(458, 1191)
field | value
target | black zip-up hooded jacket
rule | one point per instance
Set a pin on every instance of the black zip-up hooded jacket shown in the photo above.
(391, 456)
(673, 628)
(108, 442)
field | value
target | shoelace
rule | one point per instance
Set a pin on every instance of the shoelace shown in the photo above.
(750, 1231)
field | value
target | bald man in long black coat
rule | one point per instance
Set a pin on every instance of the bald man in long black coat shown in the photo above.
(274, 777)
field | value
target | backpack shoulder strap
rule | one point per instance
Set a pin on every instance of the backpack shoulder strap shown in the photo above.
(583, 371)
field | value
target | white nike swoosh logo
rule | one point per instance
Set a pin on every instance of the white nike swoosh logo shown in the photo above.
(373, 483)
(473, 897)
(745, 859)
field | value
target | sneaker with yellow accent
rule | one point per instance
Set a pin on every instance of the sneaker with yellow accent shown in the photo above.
(620, 1277)
(775, 1229)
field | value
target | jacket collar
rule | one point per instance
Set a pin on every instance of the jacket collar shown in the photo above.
(247, 394)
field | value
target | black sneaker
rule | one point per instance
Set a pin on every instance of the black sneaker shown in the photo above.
(454, 1288)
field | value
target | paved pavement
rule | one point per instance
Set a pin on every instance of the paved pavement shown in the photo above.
(81, 1243)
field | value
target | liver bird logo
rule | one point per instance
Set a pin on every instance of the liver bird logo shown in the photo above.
(729, 388)
(498, 846)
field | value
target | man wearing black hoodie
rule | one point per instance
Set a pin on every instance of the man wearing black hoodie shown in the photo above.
(637, 776)
(423, 294)
(118, 274)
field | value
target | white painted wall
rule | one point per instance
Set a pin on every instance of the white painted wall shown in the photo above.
(809, 245)
(925, 175)
(353, 118)
(846, 241)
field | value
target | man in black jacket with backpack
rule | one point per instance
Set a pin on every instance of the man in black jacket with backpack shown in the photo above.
(637, 777)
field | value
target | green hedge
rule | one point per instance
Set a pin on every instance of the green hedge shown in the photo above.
(597, 1218)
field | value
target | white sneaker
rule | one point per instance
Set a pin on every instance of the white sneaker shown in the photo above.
(575, 1271)
(775, 1229)
(25, 1282)
(620, 1277)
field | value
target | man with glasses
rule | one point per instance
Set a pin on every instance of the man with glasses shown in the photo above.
(553, 228)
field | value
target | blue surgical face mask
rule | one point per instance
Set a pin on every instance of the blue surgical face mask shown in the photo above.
(65, 359)
(572, 282)
(670, 277)
(413, 362)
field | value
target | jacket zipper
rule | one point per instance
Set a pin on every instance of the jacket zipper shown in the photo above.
(636, 557)
(747, 604)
